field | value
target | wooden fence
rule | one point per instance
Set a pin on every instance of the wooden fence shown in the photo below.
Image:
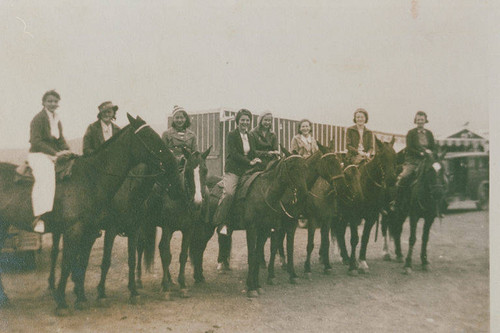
(212, 127)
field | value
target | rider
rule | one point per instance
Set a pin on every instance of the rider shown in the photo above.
(304, 143)
(359, 138)
(101, 130)
(419, 145)
(266, 142)
(179, 135)
(47, 143)
(241, 157)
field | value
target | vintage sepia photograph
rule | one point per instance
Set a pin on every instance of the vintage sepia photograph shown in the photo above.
(247, 166)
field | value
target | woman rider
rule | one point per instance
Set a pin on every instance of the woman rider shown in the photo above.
(419, 145)
(101, 130)
(241, 157)
(179, 135)
(303, 143)
(266, 142)
(47, 143)
(359, 138)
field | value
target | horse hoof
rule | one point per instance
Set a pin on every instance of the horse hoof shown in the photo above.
(309, 276)
(62, 312)
(399, 259)
(5, 303)
(103, 302)
(271, 281)
(353, 272)
(135, 300)
(167, 296)
(260, 291)
(363, 270)
(293, 280)
(408, 271)
(425, 268)
(252, 294)
(82, 305)
(345, 262)
(200, 280)
(138, 284)
(327, 271)
(184, 293)
(387, 257)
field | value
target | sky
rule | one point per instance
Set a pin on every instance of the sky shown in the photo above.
(315, 59)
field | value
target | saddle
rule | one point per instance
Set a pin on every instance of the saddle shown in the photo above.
(64, 166)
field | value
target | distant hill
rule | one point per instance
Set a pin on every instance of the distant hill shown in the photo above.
(18, 156)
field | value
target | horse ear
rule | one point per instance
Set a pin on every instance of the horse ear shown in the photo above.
(379, 143)
(131, 120)
(392, 141)
(285, 151)
(322, 148)
(206, 153)
(186, 153)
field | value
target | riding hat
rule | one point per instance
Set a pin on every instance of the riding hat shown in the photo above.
(105, 106)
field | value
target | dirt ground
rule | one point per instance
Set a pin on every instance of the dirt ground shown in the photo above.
(452, 297)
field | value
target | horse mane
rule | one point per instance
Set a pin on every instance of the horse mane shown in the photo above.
(108, 142)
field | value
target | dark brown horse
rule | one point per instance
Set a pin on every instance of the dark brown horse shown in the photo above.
(326, 182)
(376, 175)
(79, 200)
(257, 213)
(171, 215)
(423, 200)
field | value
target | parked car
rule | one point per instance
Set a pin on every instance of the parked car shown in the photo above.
(468, 177)
(23, 245)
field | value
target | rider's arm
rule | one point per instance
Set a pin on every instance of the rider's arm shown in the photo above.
(88, 142)
(235, 153)
(38, 139)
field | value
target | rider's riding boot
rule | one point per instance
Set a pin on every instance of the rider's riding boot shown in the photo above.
(38, 225)
(220, 216)
(395, 205)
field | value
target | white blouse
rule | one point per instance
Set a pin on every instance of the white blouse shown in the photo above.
(246, 143)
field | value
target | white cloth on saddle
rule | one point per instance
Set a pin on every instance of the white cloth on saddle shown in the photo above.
(44, 188)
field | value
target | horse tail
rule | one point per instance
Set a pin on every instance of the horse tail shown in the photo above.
(149, 239)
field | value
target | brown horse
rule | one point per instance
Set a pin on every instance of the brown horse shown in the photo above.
(167, 212)
(257, 213)
(375, 176)
(79, 200)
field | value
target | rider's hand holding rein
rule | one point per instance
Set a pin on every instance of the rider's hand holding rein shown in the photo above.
(255, 161)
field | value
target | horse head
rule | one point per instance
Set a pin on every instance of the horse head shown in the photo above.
(195, 175)
(385, 159)
(291, 175)
(149, 148)
(433, 179)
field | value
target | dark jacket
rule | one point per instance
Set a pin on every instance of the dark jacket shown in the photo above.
(236, 161)
(93, 137)
(40, 138)
(352, 140)
(175, 141)
(415, 151)
(264, 144)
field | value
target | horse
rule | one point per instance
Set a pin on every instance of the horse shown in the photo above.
(375, 175)
(423, 200)
(123, 216)
(80, 199)
(327, 181)
(257, 213)
(167, 213)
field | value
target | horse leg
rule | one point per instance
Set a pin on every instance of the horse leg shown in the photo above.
(109, 239)
(54, 252)
(398, 229)
(365, 238)
(339, 229)
(132, 249)
(78, 274)
(196, 250)
(186, 239)
(4, 300)
(311, 228)
(290, 240)
(385, 232)
(138, 268)
(275, 236)
(166, 258)
(252, 261)
(224, 252)
(354, 243)
(262, 236)
(425, 240)
(68, 260)
(281, 240)
(413, 239)
(324, 248)
(262, 258)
